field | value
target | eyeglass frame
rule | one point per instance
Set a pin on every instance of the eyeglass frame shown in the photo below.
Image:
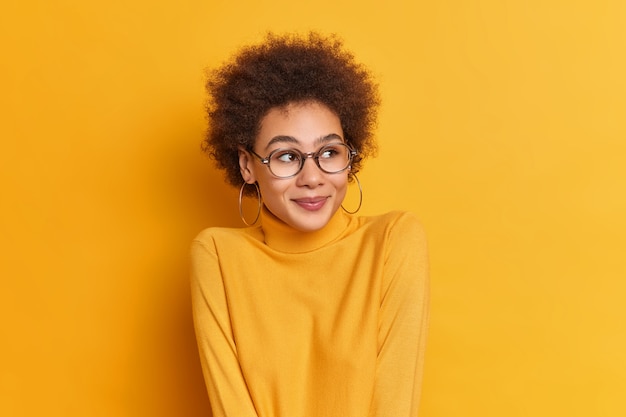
(306, 155)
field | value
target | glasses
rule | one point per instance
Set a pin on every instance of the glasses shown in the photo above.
(286, 163)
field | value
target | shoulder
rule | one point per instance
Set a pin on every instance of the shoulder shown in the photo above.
(215, 246)
(213, 237)
(399, 232)
(396, 223)
(211, 233)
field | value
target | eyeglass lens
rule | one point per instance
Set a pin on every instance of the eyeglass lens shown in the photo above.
(331, 159)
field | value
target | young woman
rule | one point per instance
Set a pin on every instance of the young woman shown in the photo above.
(312, 311)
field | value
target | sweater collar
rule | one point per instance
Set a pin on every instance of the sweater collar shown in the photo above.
(284, 238)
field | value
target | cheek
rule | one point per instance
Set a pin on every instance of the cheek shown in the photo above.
(342, 183)
(271, 188)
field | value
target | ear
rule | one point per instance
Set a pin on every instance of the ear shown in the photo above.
(246, 166)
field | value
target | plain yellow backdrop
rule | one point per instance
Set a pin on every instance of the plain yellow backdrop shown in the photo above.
(503, 127)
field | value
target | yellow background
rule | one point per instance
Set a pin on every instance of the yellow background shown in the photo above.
(502, 128)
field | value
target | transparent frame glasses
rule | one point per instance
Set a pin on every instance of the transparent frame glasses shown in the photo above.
(302, 156)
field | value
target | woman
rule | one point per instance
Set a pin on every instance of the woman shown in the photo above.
(312, 311)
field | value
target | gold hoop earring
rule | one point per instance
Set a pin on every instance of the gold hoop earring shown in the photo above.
(360, 197)
(258, 213)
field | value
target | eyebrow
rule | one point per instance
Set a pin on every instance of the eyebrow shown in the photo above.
(291, 139)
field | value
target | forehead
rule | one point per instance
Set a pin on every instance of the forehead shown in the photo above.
(302, 124)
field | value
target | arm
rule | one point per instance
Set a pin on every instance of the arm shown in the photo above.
(403, 319)
(226, 386)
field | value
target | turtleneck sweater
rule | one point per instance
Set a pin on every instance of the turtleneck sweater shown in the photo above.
(330, 323)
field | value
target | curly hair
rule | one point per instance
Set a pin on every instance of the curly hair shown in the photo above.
(282, 70)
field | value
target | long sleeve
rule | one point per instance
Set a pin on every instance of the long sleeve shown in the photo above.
(403, 320)
(225, 383)
(329, 323)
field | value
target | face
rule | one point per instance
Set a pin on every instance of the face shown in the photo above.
(308, 200)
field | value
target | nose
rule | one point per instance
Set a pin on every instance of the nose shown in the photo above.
(311, 175)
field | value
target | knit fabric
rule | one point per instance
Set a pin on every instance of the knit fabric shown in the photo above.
(330, 323)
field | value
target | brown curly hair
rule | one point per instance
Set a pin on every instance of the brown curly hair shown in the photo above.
(281, 70)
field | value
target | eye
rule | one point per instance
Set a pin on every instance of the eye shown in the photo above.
(329, 152)
(286, 156)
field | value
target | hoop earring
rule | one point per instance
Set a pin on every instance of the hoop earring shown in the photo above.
(360, 197)
(258, 213)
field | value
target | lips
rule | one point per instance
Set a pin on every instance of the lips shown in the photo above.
(311, 203)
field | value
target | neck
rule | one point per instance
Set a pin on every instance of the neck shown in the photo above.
(284, 238)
